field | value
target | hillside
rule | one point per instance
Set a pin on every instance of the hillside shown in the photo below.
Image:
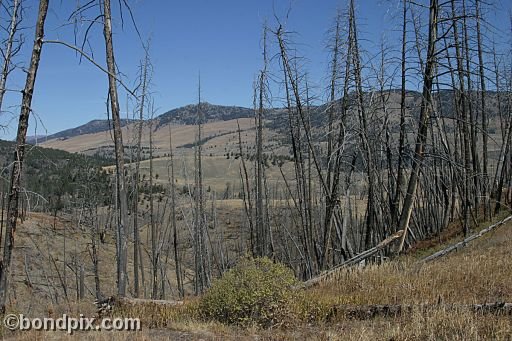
(94, 126)
(350, 177)
(54, 175)
(188, 114)
(479, 273)
(221, 120)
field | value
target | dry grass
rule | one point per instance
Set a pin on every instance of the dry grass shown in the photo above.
(181, 134)
(480, 273)
(38, 266)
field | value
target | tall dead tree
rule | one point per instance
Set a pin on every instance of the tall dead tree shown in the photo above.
(9, 49)
(154, 236)
(136, 236)
(201, 253)
(177, 260)
(483, 110)
(19, 153)
(425, 110)
(334, 144)
(363, 131)
(122, 217)
(301, 142)
(464, 119)
(263, 245)
(401, 142)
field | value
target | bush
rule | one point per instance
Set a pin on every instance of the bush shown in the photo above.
(256, 291)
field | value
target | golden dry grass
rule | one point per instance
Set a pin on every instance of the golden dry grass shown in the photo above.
(181, 135)
(481, 272)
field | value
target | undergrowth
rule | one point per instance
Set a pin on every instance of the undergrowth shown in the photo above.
(257, 296)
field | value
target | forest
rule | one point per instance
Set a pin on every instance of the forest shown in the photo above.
(375, 205)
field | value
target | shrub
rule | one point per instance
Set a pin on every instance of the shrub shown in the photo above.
(256, 291)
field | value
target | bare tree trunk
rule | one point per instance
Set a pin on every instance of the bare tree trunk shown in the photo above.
(122, 225)
(401, 141)
(473, 136)
(334, 145)
(465, 124)
(262, 233)
(19, 153)
(8, 53)
(154, 250)
(136, 236)
(364, 132)
(483, 89)
(177, 261)
(426, 107)
(202, 264)
(246, 192)
(94, 255)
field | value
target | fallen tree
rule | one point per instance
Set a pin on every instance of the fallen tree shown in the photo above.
(464, 242)
(352, 261)
(108, 304)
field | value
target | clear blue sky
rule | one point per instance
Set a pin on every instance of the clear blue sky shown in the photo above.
(221, 39)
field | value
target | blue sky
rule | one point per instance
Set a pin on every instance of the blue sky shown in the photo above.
(220, 39)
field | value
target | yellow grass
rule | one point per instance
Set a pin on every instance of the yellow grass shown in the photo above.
(181, 135)
(479, 273)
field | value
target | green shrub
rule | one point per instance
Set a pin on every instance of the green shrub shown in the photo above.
(254, 292)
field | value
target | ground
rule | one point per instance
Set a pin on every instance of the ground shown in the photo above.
(479, 273)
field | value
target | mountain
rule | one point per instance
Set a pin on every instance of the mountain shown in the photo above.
(184, 115)
(211, 112)
(94, 126)
(221, 126)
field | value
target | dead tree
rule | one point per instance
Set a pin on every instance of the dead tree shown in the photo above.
(19, 153)
(462, 103)
(335, 144)
(201, 252)
(401, 143)
(122, 218)
(177, 258)
(364, 131)
(10, 50)
(263, 244)
(136, 236)
(301, 143)
(246, 190)
(483, 110)
(152, 223)
(426, 108)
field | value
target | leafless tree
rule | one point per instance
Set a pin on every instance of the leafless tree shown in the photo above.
(122, 222)
(19, 153)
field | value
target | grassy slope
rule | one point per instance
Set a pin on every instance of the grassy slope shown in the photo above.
(480, 273)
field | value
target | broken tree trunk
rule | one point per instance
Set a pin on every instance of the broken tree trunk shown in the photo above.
(352, 261)
(108, 304)
(464, 242)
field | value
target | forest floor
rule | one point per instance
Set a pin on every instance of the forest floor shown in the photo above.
(478, 273)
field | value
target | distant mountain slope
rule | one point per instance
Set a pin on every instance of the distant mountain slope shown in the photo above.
(211, 112)
(182, 115)
(94, 126)
(276, 118)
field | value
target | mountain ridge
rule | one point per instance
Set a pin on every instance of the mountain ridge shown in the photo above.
(187, 115)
